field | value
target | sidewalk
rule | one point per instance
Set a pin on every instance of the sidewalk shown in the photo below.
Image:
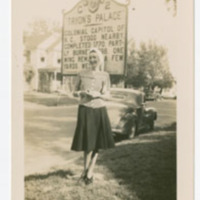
(48, 132)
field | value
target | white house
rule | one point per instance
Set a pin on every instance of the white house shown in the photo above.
(44, 58)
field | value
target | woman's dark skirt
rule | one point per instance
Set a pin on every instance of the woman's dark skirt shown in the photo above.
(93, 130)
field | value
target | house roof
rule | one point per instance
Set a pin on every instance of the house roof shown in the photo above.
(46, 42)
(49, 42)
(56, 45)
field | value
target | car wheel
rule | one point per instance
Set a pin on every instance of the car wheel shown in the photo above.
(133, 131)
(151, 125)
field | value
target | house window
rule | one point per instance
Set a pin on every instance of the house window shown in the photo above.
(42, 59)
(59, 60)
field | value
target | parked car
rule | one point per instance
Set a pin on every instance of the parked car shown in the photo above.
(128, 113)
(168, 95)
(151, 96)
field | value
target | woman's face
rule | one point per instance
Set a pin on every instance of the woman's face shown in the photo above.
(94, 60)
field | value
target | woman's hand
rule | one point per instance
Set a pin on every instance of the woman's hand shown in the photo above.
(106, 96)
(90, 93)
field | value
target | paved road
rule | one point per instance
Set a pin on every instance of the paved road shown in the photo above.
(49, 130)
(166, 110)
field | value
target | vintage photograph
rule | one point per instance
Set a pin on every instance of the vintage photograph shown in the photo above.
(100, 99)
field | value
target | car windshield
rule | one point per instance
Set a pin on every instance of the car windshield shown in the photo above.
(129, 97)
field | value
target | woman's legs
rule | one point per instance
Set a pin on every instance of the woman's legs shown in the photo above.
(87, 159)
(89, 162)
(92, 164)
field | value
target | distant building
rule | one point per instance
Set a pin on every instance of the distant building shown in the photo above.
(43, 60)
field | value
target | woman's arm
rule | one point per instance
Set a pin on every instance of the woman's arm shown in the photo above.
(76, 90)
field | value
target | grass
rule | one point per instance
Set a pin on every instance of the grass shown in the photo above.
(139, 169)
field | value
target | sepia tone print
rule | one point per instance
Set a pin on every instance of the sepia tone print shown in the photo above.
(100, 95)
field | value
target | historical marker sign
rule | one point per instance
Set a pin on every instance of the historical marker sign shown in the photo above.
(95, 23)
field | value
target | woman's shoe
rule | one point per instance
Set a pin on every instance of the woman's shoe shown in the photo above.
(83, 176)
(88, 181)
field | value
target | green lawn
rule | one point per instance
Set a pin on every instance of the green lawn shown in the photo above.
(140, 169)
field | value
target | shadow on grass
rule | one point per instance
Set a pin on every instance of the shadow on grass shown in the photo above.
(170, 127)
(147, 168)
(59, 173)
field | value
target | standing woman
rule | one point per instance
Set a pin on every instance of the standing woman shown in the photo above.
(93, 130)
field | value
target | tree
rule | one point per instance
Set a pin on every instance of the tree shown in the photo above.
(134, 77)
(29, 74)
(42, 27)
(166, 82)
(38, 30)
(148, 67)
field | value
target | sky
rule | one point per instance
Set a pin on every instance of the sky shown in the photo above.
(148, 20)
